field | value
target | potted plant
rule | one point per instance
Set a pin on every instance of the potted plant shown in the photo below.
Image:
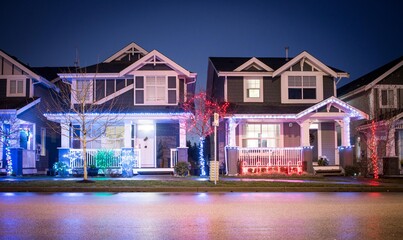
(61, 169)
(322, 161)
(92, 171)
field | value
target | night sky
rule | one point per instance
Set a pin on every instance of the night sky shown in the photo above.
(355, 36)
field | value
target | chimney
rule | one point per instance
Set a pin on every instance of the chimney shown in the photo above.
(286, 53)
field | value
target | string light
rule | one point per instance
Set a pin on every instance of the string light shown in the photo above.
(373, 147)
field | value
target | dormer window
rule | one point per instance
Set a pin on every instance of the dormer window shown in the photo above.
(387, 98)
(253, 89)
(16, 88)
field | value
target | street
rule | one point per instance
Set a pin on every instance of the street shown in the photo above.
(201, 216)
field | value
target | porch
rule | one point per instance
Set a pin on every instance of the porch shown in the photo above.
(114, 159)
(242, 160)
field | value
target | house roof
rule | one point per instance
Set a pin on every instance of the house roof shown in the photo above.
(227, 64)
(256, 108)
(27, 69)
(368, 78)
(15, 103)
(50, 73)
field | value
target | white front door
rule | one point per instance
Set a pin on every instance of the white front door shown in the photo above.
(146, 142)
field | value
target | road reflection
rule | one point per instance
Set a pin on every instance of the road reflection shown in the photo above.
(201, 215)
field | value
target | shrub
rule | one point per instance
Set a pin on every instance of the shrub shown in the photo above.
(61, 168)
(182, 168)
(352, 170)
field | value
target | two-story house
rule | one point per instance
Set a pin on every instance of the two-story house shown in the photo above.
(378, 93)
(142, 91)
(284, 113)
(30, 140)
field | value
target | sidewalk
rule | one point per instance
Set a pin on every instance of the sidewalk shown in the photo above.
(169, 183)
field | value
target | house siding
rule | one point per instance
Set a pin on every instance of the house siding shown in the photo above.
(291, 132)
(35, 115)
(3, 88)
(328, 87)
(272, 90)
(234, 89)
(328, 132)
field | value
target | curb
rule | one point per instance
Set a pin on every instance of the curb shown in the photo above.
(201, 189)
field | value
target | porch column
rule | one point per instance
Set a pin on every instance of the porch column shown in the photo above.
(231, 135)
(345, 131)
(304, 128)
(390, 142)
(128, 135)
(65, 135)
(182, 133)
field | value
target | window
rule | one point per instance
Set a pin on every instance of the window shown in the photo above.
(156, 89)
(261, 135)
(253, 90)
(16, 87)
(301, 87)
(114, 137)
(43, 142)
(83, 91)
(387, 98)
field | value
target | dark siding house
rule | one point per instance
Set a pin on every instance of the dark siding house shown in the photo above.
(23, 92)
(283, 116)
(378, 93)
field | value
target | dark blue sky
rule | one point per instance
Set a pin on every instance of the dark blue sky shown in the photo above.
(355, 36)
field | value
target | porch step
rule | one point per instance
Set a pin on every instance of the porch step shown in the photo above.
(328, 170)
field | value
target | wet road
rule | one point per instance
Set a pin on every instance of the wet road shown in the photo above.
(201, 216)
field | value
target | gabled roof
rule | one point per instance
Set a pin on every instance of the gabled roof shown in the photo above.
(296, 112)
(28, 70)
(227, 64)
(155, 57)
(18, 104)
(276, 64)
(253, 62)
(305, 56)
(368, 80)
(131, 48)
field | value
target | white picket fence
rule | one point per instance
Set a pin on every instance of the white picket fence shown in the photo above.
(76, 160)
(270, 157)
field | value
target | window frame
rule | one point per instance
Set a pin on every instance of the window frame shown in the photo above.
(16, 94)
(285, 98)
(388, 105)
(246, 84)
(278, 136)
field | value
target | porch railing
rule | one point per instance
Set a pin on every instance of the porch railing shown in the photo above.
(114, 160)
(270, 157)
(174, 157)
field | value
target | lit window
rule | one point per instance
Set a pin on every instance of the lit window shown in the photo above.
(155, 89)
(301, 87)
(16, 88)
(261, 135)
(43, 141)
(253, 90)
